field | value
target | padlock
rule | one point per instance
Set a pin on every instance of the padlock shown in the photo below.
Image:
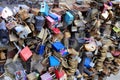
(22, 31)
(54, 17)
(11, 25)
(57, 46)
(2, 55)
(44, 8)
(79, 23)
(59, 17)
(33, 76)
(115, 53)
(25, 53)
(89, 62)
(31, 19)
(39, 22)
(2, 24)
(56, 30)
(50, 22)
(4, 38)
(53, 61)
(41, 49)
(39, 67)
(68, 18)
(116, 28)
(19, 29)
(46, 76)
(56, 3)
(35, 11)
(59, 74)
(58, 11)
(88, 72)
(20, 75)
(6, 12)
(90, 46)
(12, 37)
(43, 34)
(82, 8)
(119, 46)
(23, 14)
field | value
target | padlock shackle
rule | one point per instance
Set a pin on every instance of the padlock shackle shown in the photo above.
(16, 46)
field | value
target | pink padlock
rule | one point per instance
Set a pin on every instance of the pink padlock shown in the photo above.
(46, 76)
(50, 22)
(59, 17)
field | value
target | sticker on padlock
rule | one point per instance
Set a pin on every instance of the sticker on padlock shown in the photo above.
(19, 28)
(79, 59)
(116, 29)
(20, 75)
(105, 14)
(92, 64)
(11, 25)
(64, 52)
(74, 29)
(117, 24)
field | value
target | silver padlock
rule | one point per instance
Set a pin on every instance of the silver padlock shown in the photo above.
(23, 31)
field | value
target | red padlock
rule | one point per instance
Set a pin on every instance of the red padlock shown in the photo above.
(25, 53)
(59, 74)
(56, 30)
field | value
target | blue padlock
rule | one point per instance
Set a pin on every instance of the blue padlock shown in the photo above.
(53, 61)
(87, 62)
(57, 46)
(41, 50)
(44, 8)
(53, 16)
(68, 18)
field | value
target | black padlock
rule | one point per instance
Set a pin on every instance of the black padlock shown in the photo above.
(39, 22)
